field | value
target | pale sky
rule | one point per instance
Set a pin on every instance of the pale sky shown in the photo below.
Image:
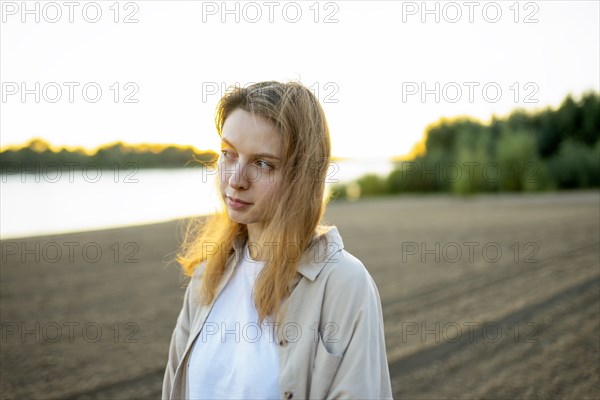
(368, 65)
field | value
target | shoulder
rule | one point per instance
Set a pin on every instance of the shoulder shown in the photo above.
(194, 285)
(196, 278)
(346, 274)
(339, 263)
(344, 268)
(350, 298)
(342, 273)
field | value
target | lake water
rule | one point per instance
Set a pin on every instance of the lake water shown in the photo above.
(60, 201)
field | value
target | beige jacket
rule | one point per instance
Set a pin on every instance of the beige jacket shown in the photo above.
(331, 342)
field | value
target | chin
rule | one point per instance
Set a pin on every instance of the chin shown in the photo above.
(238, 217)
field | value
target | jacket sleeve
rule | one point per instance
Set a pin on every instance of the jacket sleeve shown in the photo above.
(354, 305)
(178, 344)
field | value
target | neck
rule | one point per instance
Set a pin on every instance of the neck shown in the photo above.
(257, 250)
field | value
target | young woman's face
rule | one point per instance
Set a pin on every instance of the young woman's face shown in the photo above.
(249, 167)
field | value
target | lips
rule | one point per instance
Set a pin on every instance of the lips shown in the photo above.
(238, 201)
(236, 204)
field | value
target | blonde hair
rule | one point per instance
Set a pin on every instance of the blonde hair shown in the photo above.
(298, 117)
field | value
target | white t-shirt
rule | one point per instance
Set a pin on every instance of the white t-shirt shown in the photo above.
(232, 357)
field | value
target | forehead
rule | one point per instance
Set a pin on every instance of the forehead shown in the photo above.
(251, 133)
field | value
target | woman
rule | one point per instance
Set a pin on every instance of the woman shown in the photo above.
(276, 308)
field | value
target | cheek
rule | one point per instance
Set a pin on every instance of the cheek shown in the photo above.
(222, 173)
(223, 180)
(271, 187)
(255, 175)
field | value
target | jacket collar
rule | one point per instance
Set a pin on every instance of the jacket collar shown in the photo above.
(325, 243)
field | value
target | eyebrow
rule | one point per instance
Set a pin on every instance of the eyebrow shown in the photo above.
(258, 155)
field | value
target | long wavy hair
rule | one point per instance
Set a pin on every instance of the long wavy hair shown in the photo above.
(300, 121)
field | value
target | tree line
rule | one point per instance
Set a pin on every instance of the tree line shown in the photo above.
(37, 154)
(524, 151)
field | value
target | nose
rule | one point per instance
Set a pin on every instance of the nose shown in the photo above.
(238, 179)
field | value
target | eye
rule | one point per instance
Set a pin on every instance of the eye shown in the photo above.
(227, 154)
(264, 164)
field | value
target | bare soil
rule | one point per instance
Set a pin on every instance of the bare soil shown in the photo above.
(486, 297)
